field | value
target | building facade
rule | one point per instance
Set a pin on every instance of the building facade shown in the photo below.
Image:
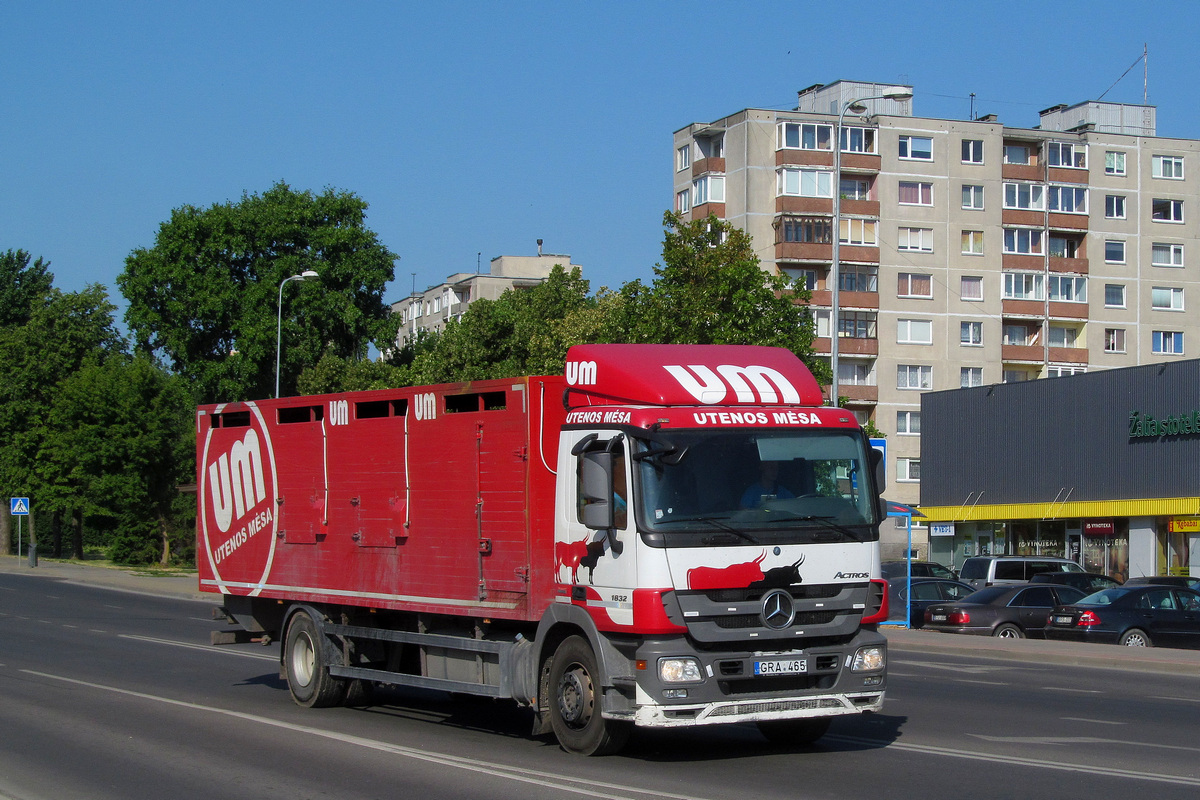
(971, 253)
(431, 309)
(1100, 468)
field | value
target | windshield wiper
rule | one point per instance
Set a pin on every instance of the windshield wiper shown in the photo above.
(716, 523)
(827, 523)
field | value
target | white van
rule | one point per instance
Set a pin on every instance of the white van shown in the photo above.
(981, 571)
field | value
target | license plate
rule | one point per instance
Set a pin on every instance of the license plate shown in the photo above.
(937, 617)
(1061, 620)
(788, 667)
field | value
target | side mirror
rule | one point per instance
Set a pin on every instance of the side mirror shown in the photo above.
(880, 470)
(597, 485)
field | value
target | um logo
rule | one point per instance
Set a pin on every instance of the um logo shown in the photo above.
(752, 384)
(581, 373)
(235, 481)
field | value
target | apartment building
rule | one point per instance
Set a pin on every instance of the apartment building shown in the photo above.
(970, 252)
(431, 309)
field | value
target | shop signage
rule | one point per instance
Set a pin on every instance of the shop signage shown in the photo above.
(941, 529)
(1183, 525)
(1098, 527)
(1147, 426)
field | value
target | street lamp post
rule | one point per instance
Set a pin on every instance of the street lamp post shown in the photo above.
(303, 276)
(892, 93)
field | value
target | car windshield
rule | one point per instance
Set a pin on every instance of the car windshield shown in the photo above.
(756, 485)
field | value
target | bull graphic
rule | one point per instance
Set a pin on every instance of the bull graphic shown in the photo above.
(748, 575)
(578, 554)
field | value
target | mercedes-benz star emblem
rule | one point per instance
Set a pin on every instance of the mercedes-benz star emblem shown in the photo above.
(778, 610)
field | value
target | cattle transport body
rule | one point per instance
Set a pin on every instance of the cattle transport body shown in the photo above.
(668, 535)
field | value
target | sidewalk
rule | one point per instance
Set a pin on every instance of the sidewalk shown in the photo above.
(901, 641)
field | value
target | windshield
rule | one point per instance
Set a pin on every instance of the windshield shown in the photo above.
(756, 486)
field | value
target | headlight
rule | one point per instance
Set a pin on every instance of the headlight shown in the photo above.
(868, 659)
(679, 670)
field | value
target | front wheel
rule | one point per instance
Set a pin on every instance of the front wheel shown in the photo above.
(1135, 638)
(794, 732)
(1008, 631)
(575, 703)
(304, 664)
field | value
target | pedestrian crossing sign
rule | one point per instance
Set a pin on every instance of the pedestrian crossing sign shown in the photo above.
(19, 506)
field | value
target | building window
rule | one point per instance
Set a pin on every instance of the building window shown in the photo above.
(1015, 375)
(855, 189)
(972, 151)
(858, 140)
(1069, 199)
(1063, 247)
(1114, 340)
(1114, 206)
(1167, 167)
(1016, 154)
(908, 470)
(914, 285)
(860, 279)
(1166, 255)
(918, 239)
(1016, 334)
(860, 232)
(913, 193)
(683, 201)
(1024, 286)
(1022, 241)
(971, 333)
(1114, 295)
(914, 331)
(806, 182)
(972, 243)
(1062, 372)
(970, 287)
(1162, 210)
(908, 423)
(1114, 163)
(970, 376)
(972, 197)
(856, 373)
(919, 148)
(805, 136)
(709, 189)
(1064, 154)
(809, 230)
(914, 376)
(1026, 196)
(1062, 336)
(807, 278)
(1114, 251)
(856, 324)
(1165, 298)
(1068, 289)
(683, 158)
(1167, 343)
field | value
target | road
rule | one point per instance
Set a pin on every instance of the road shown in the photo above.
(107, 694)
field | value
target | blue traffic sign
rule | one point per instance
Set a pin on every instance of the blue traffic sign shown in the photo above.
(19, 506)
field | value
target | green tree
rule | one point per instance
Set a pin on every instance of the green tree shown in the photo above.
(22, 285)
(206, 295)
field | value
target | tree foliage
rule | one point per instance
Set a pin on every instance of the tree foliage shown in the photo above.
(207, 294)
(22, 285)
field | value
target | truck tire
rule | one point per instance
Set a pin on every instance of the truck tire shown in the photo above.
(308, 676)
(575, 703)
(793, 732)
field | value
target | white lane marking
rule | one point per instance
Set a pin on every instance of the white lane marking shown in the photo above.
(1071, 689)
(985, 683)
(998, 758)
(549, 780)
(1175, 699)
(206, 647)
(1094, 721)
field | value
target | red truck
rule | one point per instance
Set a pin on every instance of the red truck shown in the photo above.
(668, 535)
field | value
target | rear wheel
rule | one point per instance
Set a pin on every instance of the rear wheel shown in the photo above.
(1008, 631)
(793, 732)
(304, 664)
(575, 703)
(1135, 638)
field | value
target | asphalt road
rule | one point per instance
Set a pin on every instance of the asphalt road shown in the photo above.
(109, 689)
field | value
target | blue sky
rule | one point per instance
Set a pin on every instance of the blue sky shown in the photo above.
(474, 129)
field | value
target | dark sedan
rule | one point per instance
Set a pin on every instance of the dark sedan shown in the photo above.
(1134, 616)
(925, 592)
(1087, 582)
(1164, 580)
(920, 569)
(1009, 612)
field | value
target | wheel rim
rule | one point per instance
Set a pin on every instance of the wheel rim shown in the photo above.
(575, 697)
(1135, 640)
(1008, 633)
(304, 659)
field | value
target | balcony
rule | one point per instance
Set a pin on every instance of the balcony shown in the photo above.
(1063, 310)
(704, 209)
(861, 208)
(703, 165)
(1067, 175)
(1021, 216)
(1023, 308)
(804, 251)
(1021, 172)
(1078, 266)
(787, 204)
(804, 158)
(860, 162)
(858, 299)
(852, 346)
(1019, 262)
(1023, 353)
(859, 394)
(1068, 222)
(1068, 355)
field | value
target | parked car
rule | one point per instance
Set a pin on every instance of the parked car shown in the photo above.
(981, 571)
(1087, 582)
(920, 569)
(925, 592)
(1134, 616)
(1181, 581)
(1009, 612)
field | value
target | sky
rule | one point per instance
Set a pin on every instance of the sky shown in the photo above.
(474, 129)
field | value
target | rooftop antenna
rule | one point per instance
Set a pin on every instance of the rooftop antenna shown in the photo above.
(1145, 59)
(972, 106)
